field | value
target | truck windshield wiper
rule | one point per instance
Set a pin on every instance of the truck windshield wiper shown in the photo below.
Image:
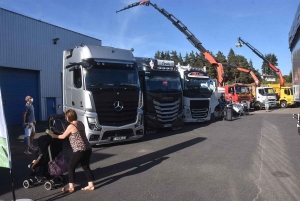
(100, 84)
(128, 85)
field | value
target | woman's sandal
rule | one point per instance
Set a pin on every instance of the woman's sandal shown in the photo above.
(88, 188)
(68, 190)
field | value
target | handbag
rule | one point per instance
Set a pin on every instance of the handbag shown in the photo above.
(58, 166)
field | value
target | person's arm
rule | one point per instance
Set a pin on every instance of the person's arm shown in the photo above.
(24, 117)
(36, 161)
(25, 113)
(67, 132)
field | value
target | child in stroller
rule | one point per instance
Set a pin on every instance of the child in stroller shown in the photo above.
(39, 173)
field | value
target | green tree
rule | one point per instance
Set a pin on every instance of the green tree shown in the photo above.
(162, 55)
(180, 59)
(243, 76)
(167, 55)
(174, 57)
(220, 57)
(288, 78)
(231, 74)
(192, 59)
(265, 68)
(255, 71)
(157, 55)
(186, 59)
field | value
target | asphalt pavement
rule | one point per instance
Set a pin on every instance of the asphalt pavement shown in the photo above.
(254, 157)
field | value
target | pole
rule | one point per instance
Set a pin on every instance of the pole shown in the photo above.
(12, 184)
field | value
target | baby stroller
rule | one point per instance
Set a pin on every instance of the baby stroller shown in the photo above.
(49, 148)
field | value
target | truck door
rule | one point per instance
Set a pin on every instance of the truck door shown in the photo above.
(260, 93)
(77, 99)
(215, 95)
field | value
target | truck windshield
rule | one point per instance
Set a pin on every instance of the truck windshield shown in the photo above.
(242, 90)
(197, 87)
(96, 77)
(163, 84)
(269, 90)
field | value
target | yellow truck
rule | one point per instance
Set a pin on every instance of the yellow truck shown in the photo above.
(285, 95)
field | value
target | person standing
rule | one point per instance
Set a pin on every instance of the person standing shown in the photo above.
(29, 119)
(82, 150)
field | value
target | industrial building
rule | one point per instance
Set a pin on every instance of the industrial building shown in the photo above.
(31, 64)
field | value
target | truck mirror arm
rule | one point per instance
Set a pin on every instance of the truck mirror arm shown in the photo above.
(84, 64)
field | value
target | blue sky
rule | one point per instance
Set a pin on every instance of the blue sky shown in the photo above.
(265, 24)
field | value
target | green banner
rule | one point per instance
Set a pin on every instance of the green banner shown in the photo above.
(4, 159)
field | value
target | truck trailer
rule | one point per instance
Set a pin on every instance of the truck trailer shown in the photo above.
(102, 85)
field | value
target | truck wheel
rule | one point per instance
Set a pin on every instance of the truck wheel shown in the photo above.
(283, 104)
(257, 106)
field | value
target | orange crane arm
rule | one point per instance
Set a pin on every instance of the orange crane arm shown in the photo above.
(260, 55)
(190, 36)
(245, 70)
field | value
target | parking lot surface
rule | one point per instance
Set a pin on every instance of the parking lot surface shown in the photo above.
(254, 157)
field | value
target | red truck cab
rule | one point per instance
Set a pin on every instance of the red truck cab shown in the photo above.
(237, 92)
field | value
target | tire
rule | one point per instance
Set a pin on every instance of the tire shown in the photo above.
(283, 104)
(48, 185)
(26, 184)
(59, 179)
(31, 183)
(257, 106)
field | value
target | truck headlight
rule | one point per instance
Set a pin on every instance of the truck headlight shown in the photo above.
(141, 103)
(140, 120)
(187, 112)
(93, 124)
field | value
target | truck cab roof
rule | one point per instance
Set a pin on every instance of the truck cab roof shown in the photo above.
(85, 52)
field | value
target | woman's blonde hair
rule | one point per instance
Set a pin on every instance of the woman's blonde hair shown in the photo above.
(71, 115)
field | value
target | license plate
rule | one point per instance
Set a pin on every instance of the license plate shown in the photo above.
(167, 125)
(119, 138)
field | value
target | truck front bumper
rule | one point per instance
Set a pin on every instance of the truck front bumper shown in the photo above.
(112, 134)
(151, 122)
(192, 120)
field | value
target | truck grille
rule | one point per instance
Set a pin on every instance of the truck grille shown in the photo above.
(167, 112)
(107, 114)
(199, 108)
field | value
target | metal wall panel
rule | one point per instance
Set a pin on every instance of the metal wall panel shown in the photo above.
(27, 43)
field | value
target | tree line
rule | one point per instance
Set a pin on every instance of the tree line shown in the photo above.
(232, 75)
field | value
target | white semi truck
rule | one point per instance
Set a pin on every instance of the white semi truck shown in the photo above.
(200, 94)
(101, 84)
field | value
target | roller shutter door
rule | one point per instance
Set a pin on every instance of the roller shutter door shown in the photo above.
(16, 84)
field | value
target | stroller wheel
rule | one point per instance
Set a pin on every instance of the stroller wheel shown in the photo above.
(26, 184)
(59, 180)
(31, 183)
(48, 185)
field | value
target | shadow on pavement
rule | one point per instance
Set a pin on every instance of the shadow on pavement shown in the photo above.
(140, 164)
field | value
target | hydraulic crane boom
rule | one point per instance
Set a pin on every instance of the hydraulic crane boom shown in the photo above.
(245, 70)
(241, 42)
(190, 36)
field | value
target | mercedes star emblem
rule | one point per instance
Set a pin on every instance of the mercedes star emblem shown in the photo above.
(118, 106)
